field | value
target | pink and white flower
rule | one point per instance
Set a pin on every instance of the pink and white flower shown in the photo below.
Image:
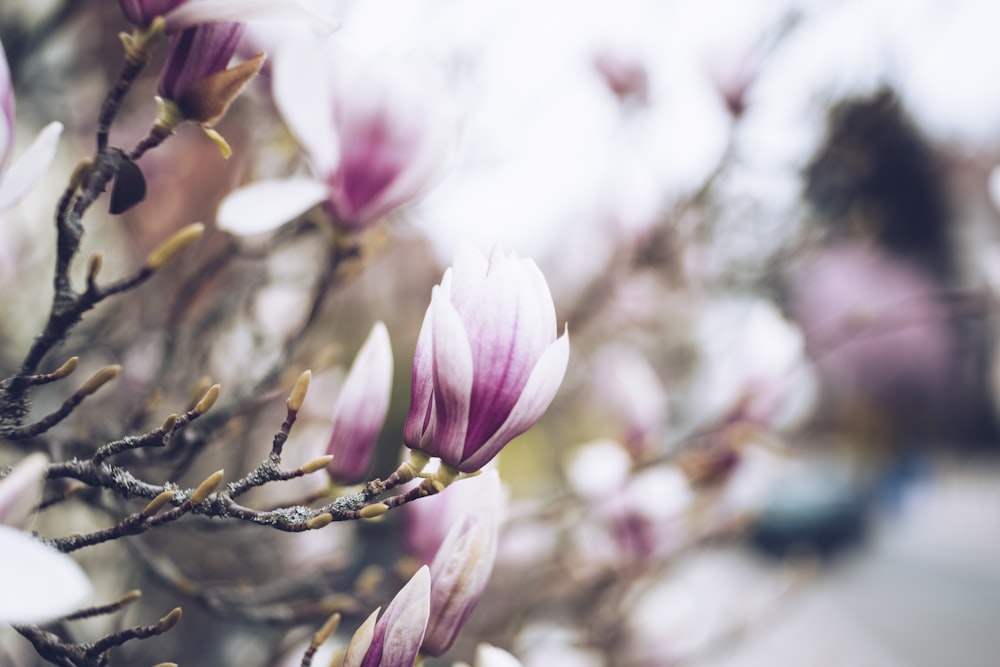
(394, 640)
(375, 135)
(488, 362)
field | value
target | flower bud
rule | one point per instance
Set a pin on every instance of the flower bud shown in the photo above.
(487, 362)
(459, 574)
(361, 408)
(395, 639)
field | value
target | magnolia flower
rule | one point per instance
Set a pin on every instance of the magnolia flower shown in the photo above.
(395, 639)
(360, 409)
(375, 136)
(487, 363)
(461, 570)
(17, 177)
(39, 582)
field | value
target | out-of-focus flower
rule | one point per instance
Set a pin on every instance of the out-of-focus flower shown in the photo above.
(625, 75)
(21, 491)
(879, 336)
(39, 582)
(631, 389)
(753, 366)
(459, 574)
(195, 77)
(375, 135)
(360, 409)
(487, 363)
(26, 170)
(491, 656)
(428, 522)
(394, 640)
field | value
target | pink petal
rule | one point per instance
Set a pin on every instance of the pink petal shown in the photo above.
(421, 385)
(538, 393)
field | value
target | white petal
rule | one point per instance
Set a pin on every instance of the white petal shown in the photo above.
(21, 491)
(28, 168)
(491, 656)
(195, 12)
(39, 582)
(534, 401)
(266, 205)
(302, 91)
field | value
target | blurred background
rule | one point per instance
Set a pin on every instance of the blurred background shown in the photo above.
(772, 228)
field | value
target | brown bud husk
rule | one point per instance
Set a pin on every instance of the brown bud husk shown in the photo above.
(206, 101)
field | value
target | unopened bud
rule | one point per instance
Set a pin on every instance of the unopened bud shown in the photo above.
(94, 266)
(130, 597)
(319, 521)
(68, 367)
(208, 400)
(200, 387)
(175, 245)
(326, 630)
(206, 488)
(157, 503)
(298, 394)
(99, 379)
(373, 511)
(168, 424)
(170, 620)
(317, 464)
